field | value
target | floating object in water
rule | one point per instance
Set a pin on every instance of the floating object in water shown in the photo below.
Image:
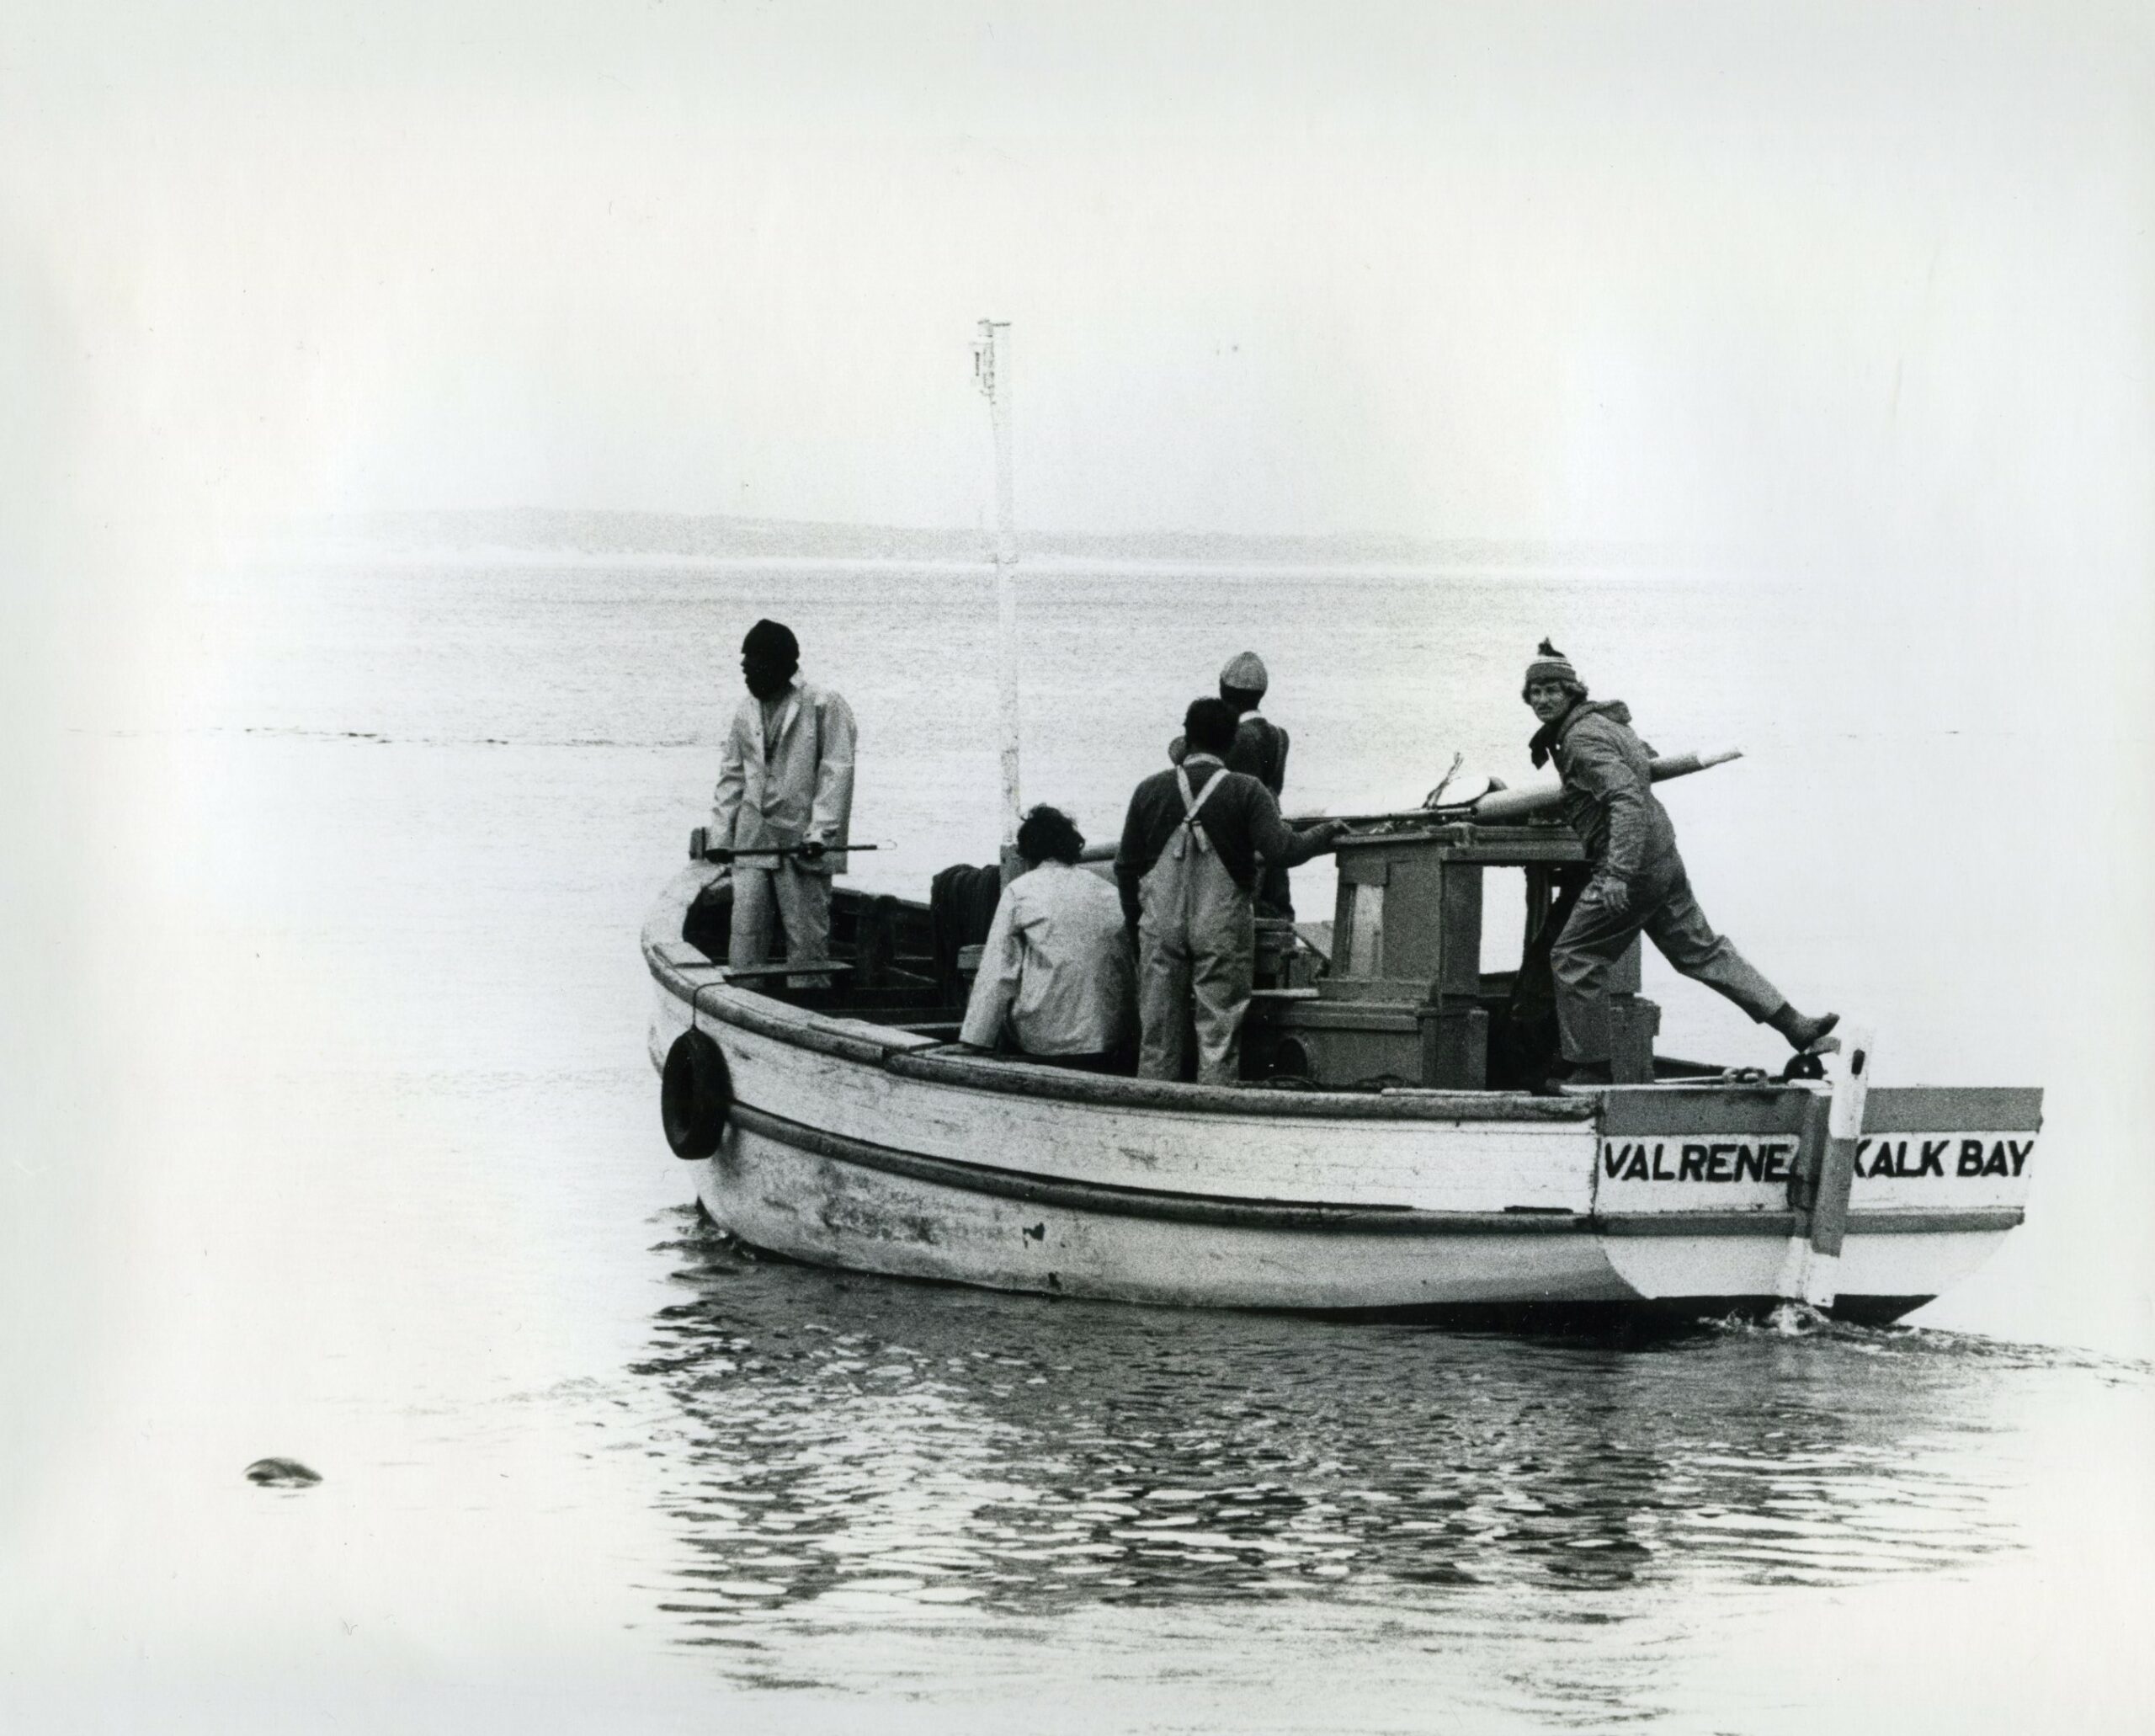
(282, 1473)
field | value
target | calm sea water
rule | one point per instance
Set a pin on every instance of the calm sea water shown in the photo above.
(395, 1202)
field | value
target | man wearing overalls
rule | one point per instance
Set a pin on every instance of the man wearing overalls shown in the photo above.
(1187, 868)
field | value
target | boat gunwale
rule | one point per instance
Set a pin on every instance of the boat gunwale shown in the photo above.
(929, 1064)
(704, 987)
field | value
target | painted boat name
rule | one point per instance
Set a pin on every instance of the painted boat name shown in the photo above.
(1723, 1160)
(1974, 1157)
(1773, 1160)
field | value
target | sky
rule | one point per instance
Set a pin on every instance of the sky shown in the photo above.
(1810, 278)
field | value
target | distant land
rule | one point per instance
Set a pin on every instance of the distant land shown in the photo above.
(560, 533)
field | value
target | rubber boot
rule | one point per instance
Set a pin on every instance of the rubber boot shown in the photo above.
(1802, 1034)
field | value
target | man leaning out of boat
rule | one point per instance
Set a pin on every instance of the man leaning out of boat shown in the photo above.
(1639, 883)
(1057, 968)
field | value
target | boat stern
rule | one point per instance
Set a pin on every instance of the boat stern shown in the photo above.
(1699, 1192)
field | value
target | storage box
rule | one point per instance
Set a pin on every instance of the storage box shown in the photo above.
(1340, 1044)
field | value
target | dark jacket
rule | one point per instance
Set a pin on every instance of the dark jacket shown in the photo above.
(1608, 791)
(1242, 820)
(1260, 749)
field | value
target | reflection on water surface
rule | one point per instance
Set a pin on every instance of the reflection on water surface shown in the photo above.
(856, 1445)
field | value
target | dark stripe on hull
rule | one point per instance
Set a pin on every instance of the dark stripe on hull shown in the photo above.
(1675, 1111)
(1998, 1218)
(1146, 1202)
(1360, 1220)
(1939, 1108)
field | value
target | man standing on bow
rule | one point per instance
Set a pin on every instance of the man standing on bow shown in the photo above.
(1186, 870)
(784, 801)
(1639, 884)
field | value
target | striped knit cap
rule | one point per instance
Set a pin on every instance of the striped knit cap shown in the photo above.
(1550, 664)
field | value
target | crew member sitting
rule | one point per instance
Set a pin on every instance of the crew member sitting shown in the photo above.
(1056, 966)
(1638, 883)
(1187, 867)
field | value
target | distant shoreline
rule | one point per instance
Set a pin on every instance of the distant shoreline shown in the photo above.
(553, 537)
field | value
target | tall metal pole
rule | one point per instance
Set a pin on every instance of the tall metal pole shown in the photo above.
(991, 366)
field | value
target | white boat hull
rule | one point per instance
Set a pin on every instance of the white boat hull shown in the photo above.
(835, 1213)
(869, 1148)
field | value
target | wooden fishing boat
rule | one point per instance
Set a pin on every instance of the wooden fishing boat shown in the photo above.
(840, 1125)
(1383, 1155)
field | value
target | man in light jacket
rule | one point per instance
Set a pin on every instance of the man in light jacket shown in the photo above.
(784, 803)
(1056, 969)
(1639, 884)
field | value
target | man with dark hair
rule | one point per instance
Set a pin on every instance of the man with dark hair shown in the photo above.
(1056, 967)
(784, 803)
(1187, 867)
(1639, 883)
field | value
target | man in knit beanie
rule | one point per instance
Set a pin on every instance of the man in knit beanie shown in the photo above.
(1639, 884)
(1260, 749)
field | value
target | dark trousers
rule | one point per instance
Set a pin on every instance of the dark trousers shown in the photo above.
(1664, 909)
(1119, 1061)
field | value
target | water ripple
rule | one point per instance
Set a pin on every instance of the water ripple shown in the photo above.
(854, 1448)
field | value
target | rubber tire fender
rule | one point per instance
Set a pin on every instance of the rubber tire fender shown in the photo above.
(695, 1096)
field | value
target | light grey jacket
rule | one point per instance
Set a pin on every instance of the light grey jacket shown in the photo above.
(802, 788)
(1057, 964)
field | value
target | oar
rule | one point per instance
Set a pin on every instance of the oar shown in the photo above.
(1497, 806)
(699, 847)
(1501, 805)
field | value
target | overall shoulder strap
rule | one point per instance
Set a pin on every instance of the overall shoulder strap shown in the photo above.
(1192, 804)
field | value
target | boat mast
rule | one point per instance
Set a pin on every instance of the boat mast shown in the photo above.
(991, 369)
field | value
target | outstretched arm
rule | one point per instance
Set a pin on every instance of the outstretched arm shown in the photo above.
(1276, 841)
